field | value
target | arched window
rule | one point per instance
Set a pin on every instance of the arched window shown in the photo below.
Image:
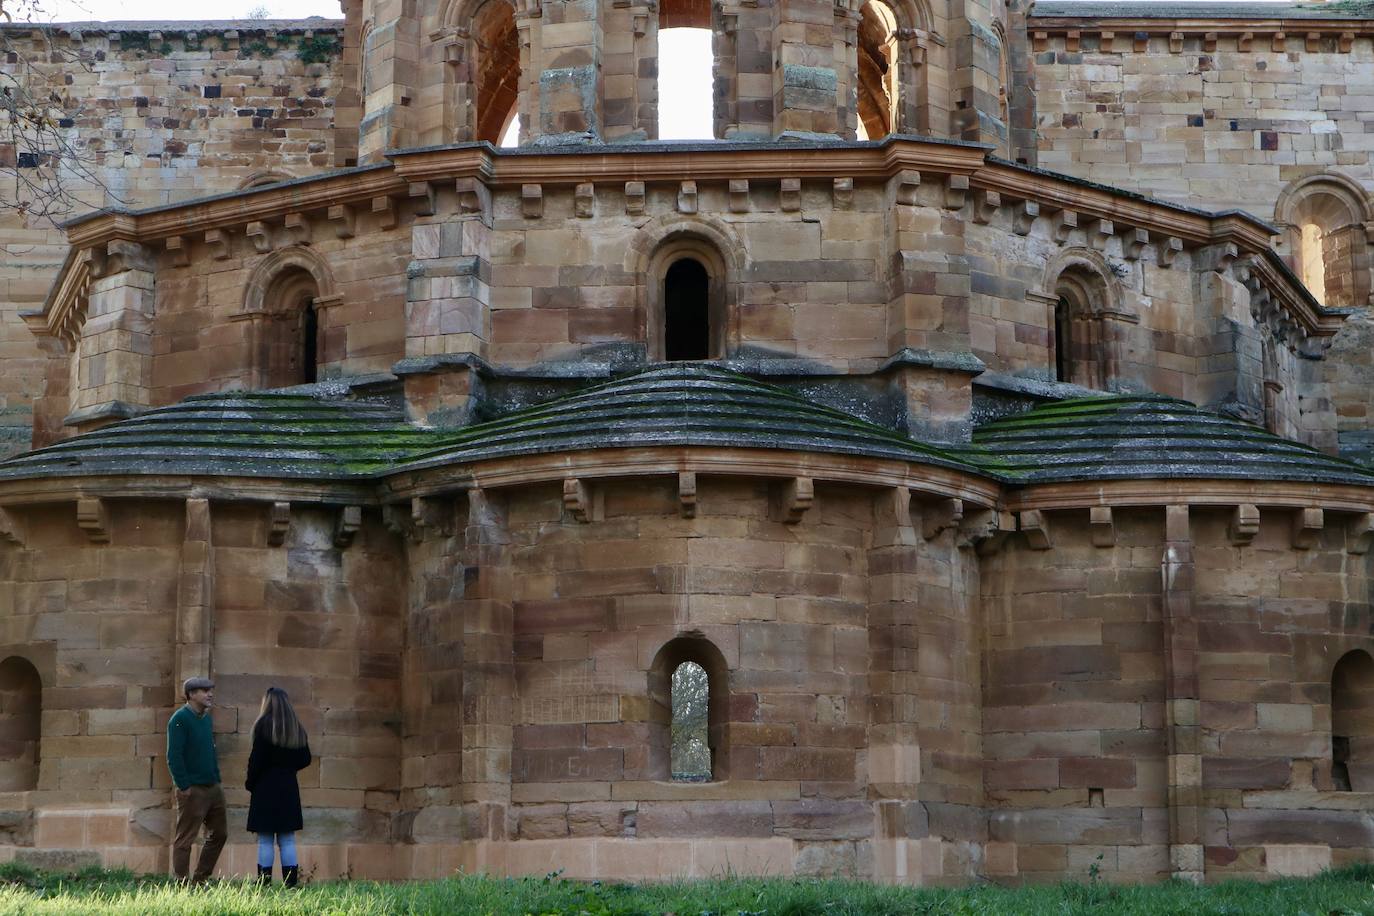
(1003, 82)
(497, 69)
(21, 718)
(291, 342)
(686, 311)
(1081, 346)
(1352, 722)
(879, 78)
(1324, 241)
(689, 693)
(686, 71)
(686, 287)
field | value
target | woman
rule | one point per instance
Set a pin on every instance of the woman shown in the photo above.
(280, 749)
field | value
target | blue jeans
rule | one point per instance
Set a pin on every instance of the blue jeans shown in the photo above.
(287, 842)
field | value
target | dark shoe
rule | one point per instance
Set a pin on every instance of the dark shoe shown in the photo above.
(290, 875)
(264, 875)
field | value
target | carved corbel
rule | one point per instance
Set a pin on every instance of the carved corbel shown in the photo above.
(908, 181)
(421, 194)
(278, 524)
(941, 516)
(584, 200)
(1359, 533)
(396, 518)
(1105, 41)
(985, 530)
(531, 201)
(844, 192)
(687, 197)
(577, 499)
(640, 21)
(789, 195)
(1134, 242)
(1100, 231)
(1244, 41)
(1169, 248)
(687, 493)
(10, 532)
(346, 525)
(1040, 41)
(344, 219)
(297, 228)
(1312, 42)
(431, 514)
(956, 191)
(1209, 42)
(1245, 523)
(1065, 222)
(384, 208)
(1175, 42)
(1102, 526)
(217, 240)
(178, 250)
(473, 196)
(1140, 42)
(1036, 527)
(93, 518)
(1279, 43)
(797, 496)
(1024, 217)
(1226, 256)
(739, 195)
(1345, 41)
(985, 206)
(1073, 40)
(122, 255)
(1307, 528)
(259, 236)
(634, 197)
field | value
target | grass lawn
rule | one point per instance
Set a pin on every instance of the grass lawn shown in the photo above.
(1346, 892)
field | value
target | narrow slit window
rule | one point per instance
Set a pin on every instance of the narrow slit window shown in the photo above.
(691, 749)
(1313, 260)
(687, 311)
(1063, 342)
(310, 336)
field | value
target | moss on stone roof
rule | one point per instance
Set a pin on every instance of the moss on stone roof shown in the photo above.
(1146, 437)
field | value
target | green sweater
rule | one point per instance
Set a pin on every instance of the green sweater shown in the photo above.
(191, 749)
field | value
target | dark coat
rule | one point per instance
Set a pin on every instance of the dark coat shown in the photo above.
(275, 806)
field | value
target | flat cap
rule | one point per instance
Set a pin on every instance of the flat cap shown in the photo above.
(196, 683)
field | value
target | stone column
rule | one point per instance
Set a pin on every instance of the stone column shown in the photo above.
(846, 39)
(488, 669)
(566, 55)
(114, 352)
(1181, 691)
(630, 70)
(448, 307)
(928, 299)
(195, 597)
(804, 78)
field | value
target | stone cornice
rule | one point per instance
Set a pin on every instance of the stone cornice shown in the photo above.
(1192, 492)
(1127, 26)
(416, 175)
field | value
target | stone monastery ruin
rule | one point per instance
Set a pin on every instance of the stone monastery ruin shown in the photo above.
(985, 410)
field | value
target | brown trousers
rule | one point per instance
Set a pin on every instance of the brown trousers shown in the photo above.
(196, 806)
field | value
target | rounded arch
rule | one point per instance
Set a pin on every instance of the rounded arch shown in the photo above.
(1083, 289)
(283, 299)
(880, 85)
(1321, 218)
(716, 248)
(1352, 721)
(21, 719)
(999, 32)
(695, 648)
(475, 45)
(264, 177)
(269, 271)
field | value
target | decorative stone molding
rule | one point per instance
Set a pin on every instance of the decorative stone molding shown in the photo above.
(687, 493)
(347, 525)
(278, 523)
(687, 197)
(1307, 528)
(93, 518)
(789, 195)
(1359, 533)
(739, 195)
(384, 209)
(634, 197)
(578, 500)
(531, 201)
(1034, 524)
(1102, 526)
(10, 530)
(344, 219)
(985, 206)
(941, 516)
(584, 200)
(1245, 523)
(798, 493)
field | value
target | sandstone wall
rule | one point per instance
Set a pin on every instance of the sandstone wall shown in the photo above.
(1219, 127)
(160, 113)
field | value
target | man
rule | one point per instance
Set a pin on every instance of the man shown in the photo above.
(195, 770)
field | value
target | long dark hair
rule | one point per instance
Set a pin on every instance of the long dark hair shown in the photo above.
(277, 720)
